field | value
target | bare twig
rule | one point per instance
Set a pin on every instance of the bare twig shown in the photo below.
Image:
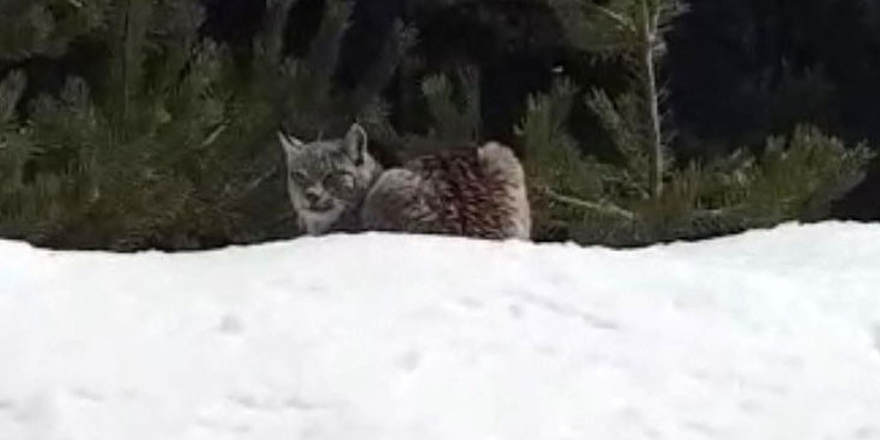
(604, 208)
(617, 18)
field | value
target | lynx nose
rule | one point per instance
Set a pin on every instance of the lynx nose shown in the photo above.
(312, 196)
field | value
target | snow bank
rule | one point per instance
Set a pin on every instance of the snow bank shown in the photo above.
(767, 335)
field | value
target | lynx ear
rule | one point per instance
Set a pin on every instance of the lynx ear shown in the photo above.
(290, 144)
(356, 143)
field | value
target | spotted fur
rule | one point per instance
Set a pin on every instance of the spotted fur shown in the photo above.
(475, 192)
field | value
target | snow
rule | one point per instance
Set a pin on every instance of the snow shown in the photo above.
(767, 335)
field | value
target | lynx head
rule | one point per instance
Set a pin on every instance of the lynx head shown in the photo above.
(327, 179)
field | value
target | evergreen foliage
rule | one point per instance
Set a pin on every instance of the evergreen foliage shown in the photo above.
(304, 90)
(171, 146)
(579, 197)
(448, 110)
(633, 32)
(46, 27)
(122, 164)
(454, 122)
(646, 196)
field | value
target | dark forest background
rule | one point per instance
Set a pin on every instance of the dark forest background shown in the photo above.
(736, 73)
(739, 70)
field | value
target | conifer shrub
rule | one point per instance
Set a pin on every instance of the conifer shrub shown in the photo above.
(171, 144)
(577, 197)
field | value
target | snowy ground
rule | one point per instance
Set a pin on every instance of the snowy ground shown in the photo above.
(772, 335)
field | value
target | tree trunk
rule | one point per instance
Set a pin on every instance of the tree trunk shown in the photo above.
(648, 33)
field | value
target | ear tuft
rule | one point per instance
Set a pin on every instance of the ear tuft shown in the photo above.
(356, 143)
(288, 143)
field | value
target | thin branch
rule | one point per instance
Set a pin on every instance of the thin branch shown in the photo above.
(617, 18)
(655, 22)
(603, 208)
(233, 191)
(254, 184)
(212, 137)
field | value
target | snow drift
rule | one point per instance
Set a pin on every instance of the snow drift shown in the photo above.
(768, 335)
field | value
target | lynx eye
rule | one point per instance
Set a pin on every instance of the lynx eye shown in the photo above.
(339, 180)
(299, 177)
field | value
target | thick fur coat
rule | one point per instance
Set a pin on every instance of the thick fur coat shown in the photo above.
(337, 185)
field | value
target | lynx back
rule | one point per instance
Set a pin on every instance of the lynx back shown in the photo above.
(471, 192)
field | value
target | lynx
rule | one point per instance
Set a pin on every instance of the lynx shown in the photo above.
(337, 185)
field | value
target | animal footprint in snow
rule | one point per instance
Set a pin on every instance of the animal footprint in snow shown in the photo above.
(469, 303)
(86, 395)
(877, 337)
(231, 324)
(409, 361)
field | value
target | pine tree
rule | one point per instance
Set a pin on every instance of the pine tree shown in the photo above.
(579, 197)
(172, 145)
(647, 196)
(125, 159)
(633, 32)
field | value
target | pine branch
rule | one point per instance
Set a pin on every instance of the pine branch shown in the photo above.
(269, 45)
(454, 121)
(618, 19)
(602, 208)
(11, 89)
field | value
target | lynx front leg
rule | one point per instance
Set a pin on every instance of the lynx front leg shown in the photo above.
(402, 201)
